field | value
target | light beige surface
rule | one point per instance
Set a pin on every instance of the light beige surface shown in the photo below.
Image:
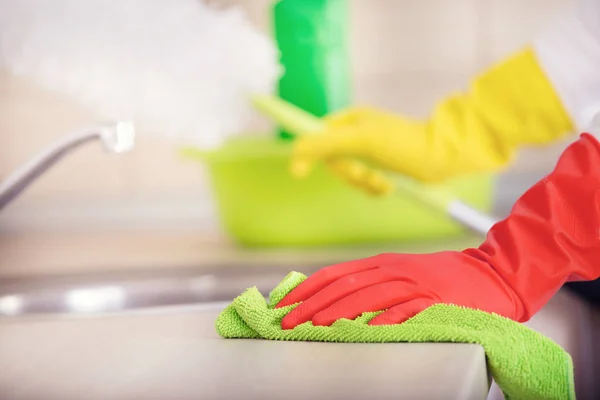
(178, 355)
(43, 254)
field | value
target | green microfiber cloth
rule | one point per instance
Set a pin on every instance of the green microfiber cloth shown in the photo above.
(525, 364)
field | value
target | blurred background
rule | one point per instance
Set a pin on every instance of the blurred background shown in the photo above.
(405, 56)
(152, 211)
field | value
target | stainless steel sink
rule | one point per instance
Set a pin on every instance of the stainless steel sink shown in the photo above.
(127, 290)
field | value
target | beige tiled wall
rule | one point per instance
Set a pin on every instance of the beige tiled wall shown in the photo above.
(406, 54)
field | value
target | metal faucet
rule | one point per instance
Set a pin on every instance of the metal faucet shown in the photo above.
(116, 137)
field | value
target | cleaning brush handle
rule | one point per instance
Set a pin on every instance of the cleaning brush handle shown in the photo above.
(287, 115)
(442, 200)
(299, 122)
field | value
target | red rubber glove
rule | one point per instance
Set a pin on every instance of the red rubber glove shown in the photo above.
(551, 236)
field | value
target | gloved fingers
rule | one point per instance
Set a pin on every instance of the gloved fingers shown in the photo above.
(373, 298)
(332, 293)
(358, 174)
(404, 311)
(325, 276)
(335, 142)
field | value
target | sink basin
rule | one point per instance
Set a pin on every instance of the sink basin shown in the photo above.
(129, 290)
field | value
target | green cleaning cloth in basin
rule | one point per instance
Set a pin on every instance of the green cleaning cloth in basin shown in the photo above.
(525, 364)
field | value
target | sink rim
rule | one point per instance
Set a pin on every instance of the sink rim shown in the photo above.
(123, 291)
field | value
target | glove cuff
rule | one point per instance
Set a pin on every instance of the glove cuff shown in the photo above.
(551, 235)
(519, 103)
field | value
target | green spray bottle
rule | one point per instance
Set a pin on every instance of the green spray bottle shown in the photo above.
(312, 37)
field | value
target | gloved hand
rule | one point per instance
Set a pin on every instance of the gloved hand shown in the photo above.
(477, 131)
(550, 237)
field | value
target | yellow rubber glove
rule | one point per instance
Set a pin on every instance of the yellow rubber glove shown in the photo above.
(510, 105)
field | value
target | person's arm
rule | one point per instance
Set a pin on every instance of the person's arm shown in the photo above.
(534, 97)
(551, 236)
(510, 105)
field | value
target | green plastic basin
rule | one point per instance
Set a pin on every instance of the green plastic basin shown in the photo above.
(260, 204)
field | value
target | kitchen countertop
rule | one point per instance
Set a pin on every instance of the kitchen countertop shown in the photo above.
(163, 343)
(176, 354)
(33, 254)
